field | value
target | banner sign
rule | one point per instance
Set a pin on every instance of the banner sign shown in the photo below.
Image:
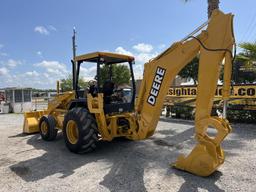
(237, 91)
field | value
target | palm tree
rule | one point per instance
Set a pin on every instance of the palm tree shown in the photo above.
(249, 51)
(212, 4)
(245, 64)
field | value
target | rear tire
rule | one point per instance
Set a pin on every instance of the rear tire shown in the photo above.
(80, 131)
(47, 128)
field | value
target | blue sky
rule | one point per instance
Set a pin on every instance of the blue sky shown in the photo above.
(35, 36)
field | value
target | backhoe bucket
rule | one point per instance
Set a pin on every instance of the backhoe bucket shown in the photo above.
(208, 155)
(202, 161)
(31, 121)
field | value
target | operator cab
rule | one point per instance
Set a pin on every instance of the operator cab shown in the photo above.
(113, 76)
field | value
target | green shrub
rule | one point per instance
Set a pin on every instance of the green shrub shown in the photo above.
(183, 111)
(233, 115)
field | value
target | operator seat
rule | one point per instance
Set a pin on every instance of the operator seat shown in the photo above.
(92, 90)
(108, 90)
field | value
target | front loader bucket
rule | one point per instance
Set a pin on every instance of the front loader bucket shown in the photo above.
(31, 121)
(201, 161)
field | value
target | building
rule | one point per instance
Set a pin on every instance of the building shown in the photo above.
(19, 99)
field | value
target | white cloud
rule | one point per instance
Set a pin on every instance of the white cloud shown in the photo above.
(46, 75)
(1, 46)
(88, 70)
(140, 60)
(13, 63)
(88, 73)
(3, 71)
(142, 47)
(32, 79)
(144, 54)
(32, 74)
(42, 30)
(145, 57)
(53, 67)
(138, 71)
(27, 79)
(142, 57)
(48, 72)
(121, 50)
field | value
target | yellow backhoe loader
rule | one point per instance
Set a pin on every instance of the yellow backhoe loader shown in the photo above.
(86, 117)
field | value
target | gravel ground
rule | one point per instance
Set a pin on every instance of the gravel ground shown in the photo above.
(29, 164)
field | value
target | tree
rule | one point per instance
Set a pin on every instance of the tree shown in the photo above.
(120, 74)
(67, 84)
(245, 64)
(249, 51)
(190, 71)
(212, 4)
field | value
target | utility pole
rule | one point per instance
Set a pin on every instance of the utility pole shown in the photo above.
(74, 43)
(74, 46)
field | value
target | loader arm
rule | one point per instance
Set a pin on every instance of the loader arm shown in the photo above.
(214, 45)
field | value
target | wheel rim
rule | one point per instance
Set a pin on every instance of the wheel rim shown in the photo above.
(72, 132)
(44, 128)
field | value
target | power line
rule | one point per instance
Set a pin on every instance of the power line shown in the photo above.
(248, 30)
(252, 32)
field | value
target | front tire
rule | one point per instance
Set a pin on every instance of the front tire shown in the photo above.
(47, 128)
(80, 131)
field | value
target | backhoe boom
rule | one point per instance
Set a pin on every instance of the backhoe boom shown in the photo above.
(213, 46)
